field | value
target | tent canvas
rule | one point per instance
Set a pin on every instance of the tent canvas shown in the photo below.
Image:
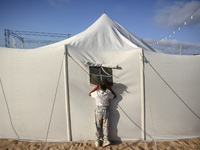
(36, 81)
(172, 97)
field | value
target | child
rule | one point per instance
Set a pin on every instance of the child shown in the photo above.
(102, 97)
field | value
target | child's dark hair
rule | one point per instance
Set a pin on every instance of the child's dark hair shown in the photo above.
(103, 86)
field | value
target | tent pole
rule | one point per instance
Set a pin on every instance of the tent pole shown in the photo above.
(67, 98)
(143, 110)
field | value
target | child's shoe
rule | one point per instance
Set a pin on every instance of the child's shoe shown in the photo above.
(106, 143)
(97, 143)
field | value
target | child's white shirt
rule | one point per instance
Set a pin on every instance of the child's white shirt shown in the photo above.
(102, 98)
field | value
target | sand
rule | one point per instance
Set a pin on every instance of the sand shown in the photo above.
(189, 144)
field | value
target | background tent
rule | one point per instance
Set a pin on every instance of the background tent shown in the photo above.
(40, 106)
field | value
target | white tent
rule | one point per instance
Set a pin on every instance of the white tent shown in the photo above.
(44, 91)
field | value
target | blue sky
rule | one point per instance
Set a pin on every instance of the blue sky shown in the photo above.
(150, 19)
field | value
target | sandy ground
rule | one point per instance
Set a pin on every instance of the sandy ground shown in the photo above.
(189, 144)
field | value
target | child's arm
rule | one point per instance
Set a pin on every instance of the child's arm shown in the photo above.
(95, 88)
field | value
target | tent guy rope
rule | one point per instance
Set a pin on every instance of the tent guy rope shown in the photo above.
(146, 60)
(54, 100)
(9, 113)
(83, 68)
(154, 131)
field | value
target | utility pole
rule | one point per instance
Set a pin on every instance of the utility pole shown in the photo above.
(7, 38)
(7, 34)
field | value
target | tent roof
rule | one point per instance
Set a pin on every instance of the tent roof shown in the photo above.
(105, 34)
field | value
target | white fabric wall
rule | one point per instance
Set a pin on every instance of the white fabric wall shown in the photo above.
(123, 123)
(29, 79)
(166, 114)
